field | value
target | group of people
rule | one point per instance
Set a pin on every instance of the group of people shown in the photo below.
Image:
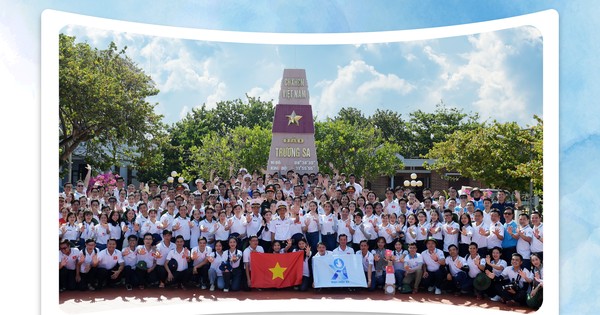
(166, 235)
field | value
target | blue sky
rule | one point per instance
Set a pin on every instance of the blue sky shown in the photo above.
(497, 74)
(579, 138)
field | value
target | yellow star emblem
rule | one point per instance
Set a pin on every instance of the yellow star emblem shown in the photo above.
(293, 118)
(277, 271)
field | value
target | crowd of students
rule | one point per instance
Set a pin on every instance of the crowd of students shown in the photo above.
(169, 235)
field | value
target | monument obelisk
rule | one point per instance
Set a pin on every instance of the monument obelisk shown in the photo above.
(293, 142)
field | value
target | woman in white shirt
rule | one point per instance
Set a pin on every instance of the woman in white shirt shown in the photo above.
(328, 227)
(233, 270)
(102, 232)
(410, 229)
(215, 274)
(466, 234)
(114, 223)
(221, 232)
(311, 226)
(494, 264)
(70, 230)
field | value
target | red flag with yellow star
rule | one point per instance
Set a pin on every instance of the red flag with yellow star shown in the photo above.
(276, 270)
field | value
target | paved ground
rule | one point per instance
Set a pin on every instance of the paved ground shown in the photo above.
(151, 300)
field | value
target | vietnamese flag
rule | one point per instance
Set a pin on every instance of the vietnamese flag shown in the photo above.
(276, 270)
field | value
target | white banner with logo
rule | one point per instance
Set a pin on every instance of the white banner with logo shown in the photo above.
(338, 271)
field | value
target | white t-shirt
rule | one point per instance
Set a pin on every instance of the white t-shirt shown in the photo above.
(248, 250)
(481, 240)
(492, 239)
(537, 245)
(524, 247)
(180, 257)
(432, 265)
(146, 255)
(339, 251)
(129, 256)
(201, 256)
(453, 264)
(107, 260)
(71, 258)
(366, 260)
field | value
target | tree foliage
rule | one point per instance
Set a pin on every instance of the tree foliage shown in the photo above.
(355, 149)
(102, 103)
(500, 154)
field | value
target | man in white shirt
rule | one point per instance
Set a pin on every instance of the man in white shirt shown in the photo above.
(514, 284)
(525, 234)
(200, 263)
(537, 243)
(434, 272)
(413, 267)
(450, 230)
(496, 230)
(110, 265)
(181, 255)
(367, 261)
(253, 247)
(343, 249)
(456, 271)
(67, 264)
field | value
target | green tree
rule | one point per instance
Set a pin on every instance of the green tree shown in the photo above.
(251, 146)
(425, 129)
(352, 115)
(501, 155)
(102, 103)
(355, 149)
(393, 127)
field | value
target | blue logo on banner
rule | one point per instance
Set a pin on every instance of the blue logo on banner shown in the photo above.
(339, 270)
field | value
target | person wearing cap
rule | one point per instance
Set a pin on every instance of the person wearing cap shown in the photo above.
(502, 204)
(434, 271)
(351, 192)
(162, 250)
(153, 187)
(462, 207)
(130, 257)
(280, 225)
(266, 204)
(67, 265)
(477, 198)
(110, 265)
(352, 182)
(181, 255)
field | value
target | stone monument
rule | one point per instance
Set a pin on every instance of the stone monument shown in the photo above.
(293, 143)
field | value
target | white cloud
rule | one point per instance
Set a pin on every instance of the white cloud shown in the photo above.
(486, 67)
(266, 95)
(356, 84)
(183, 112)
